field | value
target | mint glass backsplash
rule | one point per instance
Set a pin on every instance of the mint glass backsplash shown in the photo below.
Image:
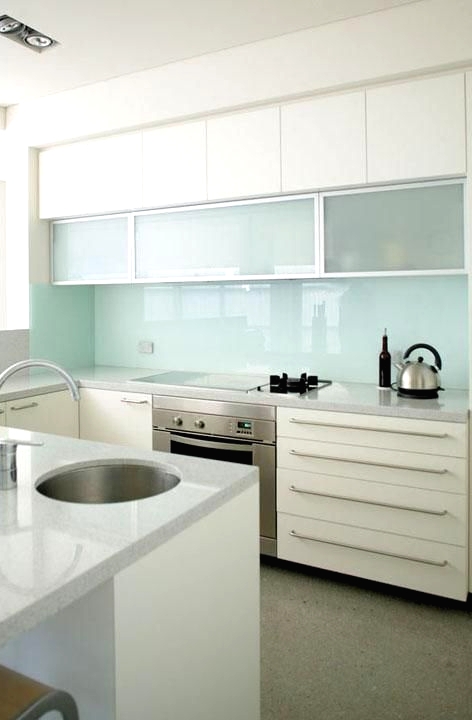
(62, 324)
(329, 327)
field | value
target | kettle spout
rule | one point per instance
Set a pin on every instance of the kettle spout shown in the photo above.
(399, 365)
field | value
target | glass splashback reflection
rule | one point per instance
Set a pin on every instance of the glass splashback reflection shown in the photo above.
(331, 327)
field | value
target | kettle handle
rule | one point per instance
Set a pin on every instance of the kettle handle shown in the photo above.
(426, 347)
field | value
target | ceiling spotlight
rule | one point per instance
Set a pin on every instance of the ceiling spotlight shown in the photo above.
(25, 35)
(10, 25)
(38, 41)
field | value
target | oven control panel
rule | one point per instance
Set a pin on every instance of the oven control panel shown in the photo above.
(204, 424)
(243, 427)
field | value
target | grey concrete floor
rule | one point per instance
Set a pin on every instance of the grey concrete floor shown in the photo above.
(338, 648)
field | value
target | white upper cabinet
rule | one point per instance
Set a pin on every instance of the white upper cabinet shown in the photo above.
(174, 164)
(94, 176)
(243, 154)
(416, 129)
(323, 142)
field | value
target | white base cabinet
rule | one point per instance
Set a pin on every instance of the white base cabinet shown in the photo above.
(116, 417)
(54, 412)
(377, 497)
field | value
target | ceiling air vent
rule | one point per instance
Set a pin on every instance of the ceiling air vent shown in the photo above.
(25, 35)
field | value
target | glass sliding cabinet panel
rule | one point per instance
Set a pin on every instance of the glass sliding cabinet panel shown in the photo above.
(253, 239)
(90, 250)
(395, 229)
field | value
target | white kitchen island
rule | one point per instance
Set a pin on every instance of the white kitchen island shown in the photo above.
(140, 609)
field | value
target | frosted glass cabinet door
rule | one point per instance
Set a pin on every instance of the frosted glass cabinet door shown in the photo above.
(255, 239)
(395, 230)
(90, 250)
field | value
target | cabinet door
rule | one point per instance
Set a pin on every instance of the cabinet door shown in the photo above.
(416, 129)
(55, 413)
(174, 164)
(419, 228)
(116, 417)
(323, 142)
(244, 154)
(2, 414)
(229, 241)
(93, 176)
(90, 250)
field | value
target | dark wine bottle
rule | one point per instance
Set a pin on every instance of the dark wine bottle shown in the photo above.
(385, 363)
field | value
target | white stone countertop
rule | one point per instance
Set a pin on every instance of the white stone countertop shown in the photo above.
(364, 398)
(52, 552)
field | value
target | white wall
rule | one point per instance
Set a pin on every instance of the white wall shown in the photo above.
(407, 40)
(17, 203)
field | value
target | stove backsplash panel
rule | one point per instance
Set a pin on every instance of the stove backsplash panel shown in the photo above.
(329, 327)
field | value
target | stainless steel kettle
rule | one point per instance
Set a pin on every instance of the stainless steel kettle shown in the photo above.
(418, 379)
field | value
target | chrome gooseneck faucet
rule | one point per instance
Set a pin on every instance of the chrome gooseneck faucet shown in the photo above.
(7, 445)
(25, 364)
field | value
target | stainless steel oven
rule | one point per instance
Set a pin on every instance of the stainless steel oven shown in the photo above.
(234, 432)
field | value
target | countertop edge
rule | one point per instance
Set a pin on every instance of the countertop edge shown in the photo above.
(127, 382)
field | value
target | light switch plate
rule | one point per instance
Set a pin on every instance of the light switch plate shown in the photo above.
(145, 346)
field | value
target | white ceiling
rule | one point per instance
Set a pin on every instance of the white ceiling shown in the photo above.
(101, 39)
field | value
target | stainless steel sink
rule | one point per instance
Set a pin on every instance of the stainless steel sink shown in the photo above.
(108, 483)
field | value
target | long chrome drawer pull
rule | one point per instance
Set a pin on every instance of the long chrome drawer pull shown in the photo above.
(24, 407)
(372, 429)
(436, 563)
(368, 502)
(135, 402)
(368, 462)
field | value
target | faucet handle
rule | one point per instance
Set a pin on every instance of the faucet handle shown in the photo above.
(11, 443)
(8, 460)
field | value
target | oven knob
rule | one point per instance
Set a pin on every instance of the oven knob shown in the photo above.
(199, 424)
(177, 420)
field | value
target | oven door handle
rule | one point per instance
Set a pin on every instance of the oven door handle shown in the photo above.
(209, 444)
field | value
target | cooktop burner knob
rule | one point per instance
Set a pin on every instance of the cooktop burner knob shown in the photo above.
(177, 421)
(199, 424)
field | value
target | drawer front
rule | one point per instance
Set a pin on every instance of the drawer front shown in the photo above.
(405, 562)
(376, 431)
(441, 517)
(442, 473)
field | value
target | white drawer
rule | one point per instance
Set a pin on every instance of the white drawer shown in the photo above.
(437, 516)
(443, 473)
(418, 564)
(377, 431)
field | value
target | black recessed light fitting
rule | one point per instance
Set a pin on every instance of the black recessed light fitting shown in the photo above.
(25, 35)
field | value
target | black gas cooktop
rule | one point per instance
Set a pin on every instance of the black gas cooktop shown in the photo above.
(301, 384)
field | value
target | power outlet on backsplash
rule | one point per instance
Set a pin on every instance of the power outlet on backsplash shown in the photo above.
(145, 346)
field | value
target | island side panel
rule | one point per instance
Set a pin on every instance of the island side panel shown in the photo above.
(187, 622)
(73, 650)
